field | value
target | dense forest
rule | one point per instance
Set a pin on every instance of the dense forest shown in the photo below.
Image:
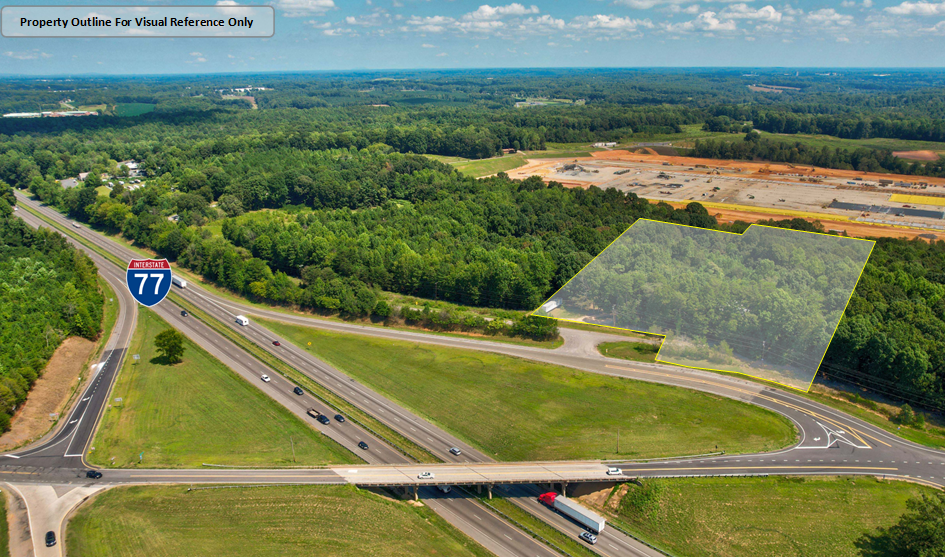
(768, 299)
(48, 291)
(320, 198)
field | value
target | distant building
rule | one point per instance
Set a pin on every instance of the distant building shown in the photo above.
(23, 115)
(605, 144)
(548, 306)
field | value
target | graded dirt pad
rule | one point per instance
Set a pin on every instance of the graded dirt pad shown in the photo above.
(853, 229)
(50, 392)
(917, 155)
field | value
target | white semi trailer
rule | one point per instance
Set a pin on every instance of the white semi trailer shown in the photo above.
(181, 283)
(585, 517)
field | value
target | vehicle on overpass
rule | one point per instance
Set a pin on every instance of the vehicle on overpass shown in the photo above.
(585, 517)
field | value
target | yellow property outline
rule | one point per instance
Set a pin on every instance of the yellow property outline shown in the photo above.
(835, 327)
(917, 199)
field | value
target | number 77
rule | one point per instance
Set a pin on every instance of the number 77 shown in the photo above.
(144, 278)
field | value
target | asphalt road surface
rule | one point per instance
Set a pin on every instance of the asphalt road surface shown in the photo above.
(831, 442)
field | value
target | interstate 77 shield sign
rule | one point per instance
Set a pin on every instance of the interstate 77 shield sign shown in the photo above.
(148, 280)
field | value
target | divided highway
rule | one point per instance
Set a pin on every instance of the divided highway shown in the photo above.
(831, 442)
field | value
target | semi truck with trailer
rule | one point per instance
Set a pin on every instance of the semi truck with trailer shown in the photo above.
(570, 508)
(181, 283)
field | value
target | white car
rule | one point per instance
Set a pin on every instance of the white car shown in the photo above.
(425, 476)
(614, 471)
(456, 451)
(265, 378)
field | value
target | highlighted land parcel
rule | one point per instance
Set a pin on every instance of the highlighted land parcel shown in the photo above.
(765, 303)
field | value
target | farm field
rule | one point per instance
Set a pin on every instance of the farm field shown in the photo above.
(877, 143)
(196, 412)
(760, 517)
(341, 521)
(133, 109)
(531, 411)
(487, 167)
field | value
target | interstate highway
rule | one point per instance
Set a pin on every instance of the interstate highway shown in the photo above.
(54, 466)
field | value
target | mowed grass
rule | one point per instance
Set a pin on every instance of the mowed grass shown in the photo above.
(486, 167)
(199, 411)
(877, 143)
(635, 351)
(336, 521)
(133, 109)
(4, 529)
(515, 409)
(759, 517)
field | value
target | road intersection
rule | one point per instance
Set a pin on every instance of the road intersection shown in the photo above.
(830, 442)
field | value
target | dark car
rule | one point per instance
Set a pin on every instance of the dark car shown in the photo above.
(340, 418)
(363, 445)
(183, 313)
(323, 419)
(94, 474)
(298, 391)
(276, 343)
(50, 538)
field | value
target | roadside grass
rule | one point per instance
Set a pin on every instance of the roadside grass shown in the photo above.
(636, 351)
(199, 411)
(4, 529)
(515, 409)
(607, 330)
(760, 517)
(486, 167)
(103, 191)
(341, 521)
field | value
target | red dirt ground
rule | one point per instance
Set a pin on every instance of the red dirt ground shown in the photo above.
(917, 155)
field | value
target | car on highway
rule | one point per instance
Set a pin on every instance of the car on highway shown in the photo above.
(588, 537)
(426, 476)
(265, 378)
(362, 445)
(298, 391)
(339, 418)
(276, 343)
(611, 471)
(50, 538)
(323, 419)
(455, 451)
(444, 488)
(183, 313)
(94, 474)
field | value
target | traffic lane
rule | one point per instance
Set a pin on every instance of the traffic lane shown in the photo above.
(279, 388)
(610, 543)
(388, 412)
(480, 524)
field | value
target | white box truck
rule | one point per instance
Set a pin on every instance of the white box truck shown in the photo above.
(242, 320)
(179, 281)
(586, 518)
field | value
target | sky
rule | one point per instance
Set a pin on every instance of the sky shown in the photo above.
(313, 35)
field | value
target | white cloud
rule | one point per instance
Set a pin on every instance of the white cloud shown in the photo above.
(938, 29)
(917, 8)
(867, 3)
(544, 22)
(338, 32)
(432, 24)
(375, 19)
(843, 40)
(486, 11)
(647, 4)
(828, 17)
(300, 8)
(442, 54)
(742, 11)
(707, 22)
(196, 54)
(34, 55)
(425, 45)
(318, 24)
(396, 4)
(609, 22)
(480, 25)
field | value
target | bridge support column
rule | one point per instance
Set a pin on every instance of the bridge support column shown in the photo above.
(564, 488)
(489, 490)
(415, 496)
(479, 489)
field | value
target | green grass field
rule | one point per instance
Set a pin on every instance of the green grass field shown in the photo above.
(879, 143)
(636, 351)
(485, 167)
(760, 517)
(133, 109)
(340, 521)
(199, 411)
(515, 409)
(4, 529)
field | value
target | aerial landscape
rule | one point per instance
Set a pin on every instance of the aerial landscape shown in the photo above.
(636, 278)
